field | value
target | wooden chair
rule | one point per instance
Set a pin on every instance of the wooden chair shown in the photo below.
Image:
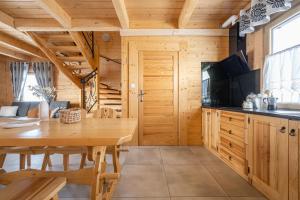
(66, 152)
(24, 154)
(113, 150)
(33, 189)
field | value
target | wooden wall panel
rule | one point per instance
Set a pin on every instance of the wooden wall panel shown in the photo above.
(6, 96)
(255, 49)
(193, 51)
(66, 90)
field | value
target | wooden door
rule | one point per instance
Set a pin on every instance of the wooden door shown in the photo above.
(294, 160)
(206, 126)
(158, 98)
(270, 156)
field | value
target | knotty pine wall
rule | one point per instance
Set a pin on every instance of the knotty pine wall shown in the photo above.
(66, 90)
(110, 72)
(193, 51)
(6, 95)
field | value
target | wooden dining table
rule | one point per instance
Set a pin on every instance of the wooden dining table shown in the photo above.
(92, 134)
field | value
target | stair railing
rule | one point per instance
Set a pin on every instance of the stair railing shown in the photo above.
(89, 92)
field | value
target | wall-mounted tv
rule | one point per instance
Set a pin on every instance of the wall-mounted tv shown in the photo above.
(228, 82)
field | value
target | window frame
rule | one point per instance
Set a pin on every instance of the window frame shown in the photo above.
(284, 21)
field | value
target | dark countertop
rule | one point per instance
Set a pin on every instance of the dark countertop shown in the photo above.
(281, 113)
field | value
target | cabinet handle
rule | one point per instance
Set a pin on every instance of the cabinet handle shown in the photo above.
(283, 129)
(230, 118)
(230, 144)
(230, 132)
(292, 132)
(229, 157)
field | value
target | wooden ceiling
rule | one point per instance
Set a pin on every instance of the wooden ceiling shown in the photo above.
(26, 26)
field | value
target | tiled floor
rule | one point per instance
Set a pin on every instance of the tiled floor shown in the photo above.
(165, 173)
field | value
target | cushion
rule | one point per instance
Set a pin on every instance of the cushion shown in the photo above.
(53, 113)
(23, 108)
(8, 111)
(60, 105)
(33, 112)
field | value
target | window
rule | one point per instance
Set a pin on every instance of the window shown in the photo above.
(286, 34)
(282, 66)
(27, 93)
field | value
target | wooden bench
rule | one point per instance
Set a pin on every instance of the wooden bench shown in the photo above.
(33, 189)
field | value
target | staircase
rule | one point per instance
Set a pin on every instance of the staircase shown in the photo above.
(110, 98)
(74, 53)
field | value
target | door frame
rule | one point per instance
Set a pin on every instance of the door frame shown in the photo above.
(175, 93)
(133, 73)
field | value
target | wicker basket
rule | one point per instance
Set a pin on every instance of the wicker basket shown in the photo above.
(69, 116)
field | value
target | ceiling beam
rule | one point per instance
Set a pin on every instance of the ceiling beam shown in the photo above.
(53, 8)
(175, 32)
(52, 57)
(35, 25)
(186, 12)
(7, 22)
(84, 48)
(14, 54)
(121, 13)
(13, 42)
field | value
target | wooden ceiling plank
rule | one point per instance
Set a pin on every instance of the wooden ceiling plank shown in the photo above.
(84, 48)
(186, 12)
(56, 11)
(121, 13)
(20, 45)
(35, 25)
(14, 54)
(52, 57)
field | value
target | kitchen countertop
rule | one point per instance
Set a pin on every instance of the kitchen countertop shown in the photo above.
(281, 113)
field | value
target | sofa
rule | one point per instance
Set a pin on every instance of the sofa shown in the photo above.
(31, 109)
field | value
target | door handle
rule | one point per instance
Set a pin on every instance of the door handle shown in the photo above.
(141, 95)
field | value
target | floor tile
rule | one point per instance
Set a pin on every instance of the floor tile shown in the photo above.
(74, 191)
(205, 156)
(142, 181)
(192, 181)
(178, 157)
(146, 156)
(232, 183)
(248, 198)
(200, 198)
(141, 198)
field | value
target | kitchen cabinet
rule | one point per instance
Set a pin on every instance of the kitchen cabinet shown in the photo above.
(294, 160)
(233, 141)
(206, 126)
(215, 129)
(269, 150)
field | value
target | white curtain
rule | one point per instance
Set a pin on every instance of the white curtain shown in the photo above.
(282, 75)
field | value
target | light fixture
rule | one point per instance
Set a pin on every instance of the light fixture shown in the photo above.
(230, 21)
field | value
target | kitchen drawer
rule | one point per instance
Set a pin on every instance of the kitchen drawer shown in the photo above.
(233, 146)
(234, 118)
(233, 131)
(238, 164)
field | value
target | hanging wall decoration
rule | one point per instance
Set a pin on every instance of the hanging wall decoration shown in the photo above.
(245, 23)
(259, 12)
(274, 6)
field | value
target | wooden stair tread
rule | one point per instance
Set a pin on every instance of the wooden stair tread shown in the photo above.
(64, 48)
(33, 189)
(72, 58)
(109, 91)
